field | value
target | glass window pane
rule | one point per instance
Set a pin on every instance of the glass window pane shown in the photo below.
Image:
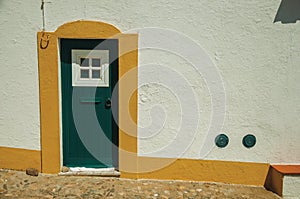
(84, 73)
(96, 74)
(96, 62)
(84, 62)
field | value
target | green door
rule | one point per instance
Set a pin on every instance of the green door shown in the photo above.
(89, 72)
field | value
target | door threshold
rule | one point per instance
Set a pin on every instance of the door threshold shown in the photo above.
(82, 171)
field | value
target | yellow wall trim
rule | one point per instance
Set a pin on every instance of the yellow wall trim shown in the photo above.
(19, 159)
(163, 168)
(203, 170)
(86, 29)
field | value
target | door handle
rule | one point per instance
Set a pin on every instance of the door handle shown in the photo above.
(90, 100)
(108, 103)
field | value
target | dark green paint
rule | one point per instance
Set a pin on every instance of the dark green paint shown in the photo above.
(249, 140)
(85, 99)
(222, 140)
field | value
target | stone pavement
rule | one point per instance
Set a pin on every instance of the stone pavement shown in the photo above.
(16, 184)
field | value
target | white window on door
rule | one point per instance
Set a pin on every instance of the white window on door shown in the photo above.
(90, 68)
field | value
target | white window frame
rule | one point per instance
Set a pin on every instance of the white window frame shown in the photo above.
(103, 55)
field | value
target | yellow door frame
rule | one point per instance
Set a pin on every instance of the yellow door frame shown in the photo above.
(48, 61)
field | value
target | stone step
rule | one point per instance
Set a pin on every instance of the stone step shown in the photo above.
(81, 171)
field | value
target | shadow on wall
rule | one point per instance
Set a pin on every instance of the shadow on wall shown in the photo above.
(288, 11)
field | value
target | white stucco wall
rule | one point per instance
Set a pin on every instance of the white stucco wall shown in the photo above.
(19, 115)
(291, 187)
(257, 60)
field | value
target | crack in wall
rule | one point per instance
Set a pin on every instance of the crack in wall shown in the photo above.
(43, 2)
(43, 14)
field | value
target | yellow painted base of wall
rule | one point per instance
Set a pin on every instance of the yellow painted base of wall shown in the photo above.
(159, 168)
(201, 170)
(19, 159)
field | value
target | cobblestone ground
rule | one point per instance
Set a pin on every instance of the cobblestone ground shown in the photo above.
(16, 184)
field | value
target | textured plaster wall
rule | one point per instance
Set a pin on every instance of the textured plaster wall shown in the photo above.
(257, 60)
(291, 187)
(19, 107)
